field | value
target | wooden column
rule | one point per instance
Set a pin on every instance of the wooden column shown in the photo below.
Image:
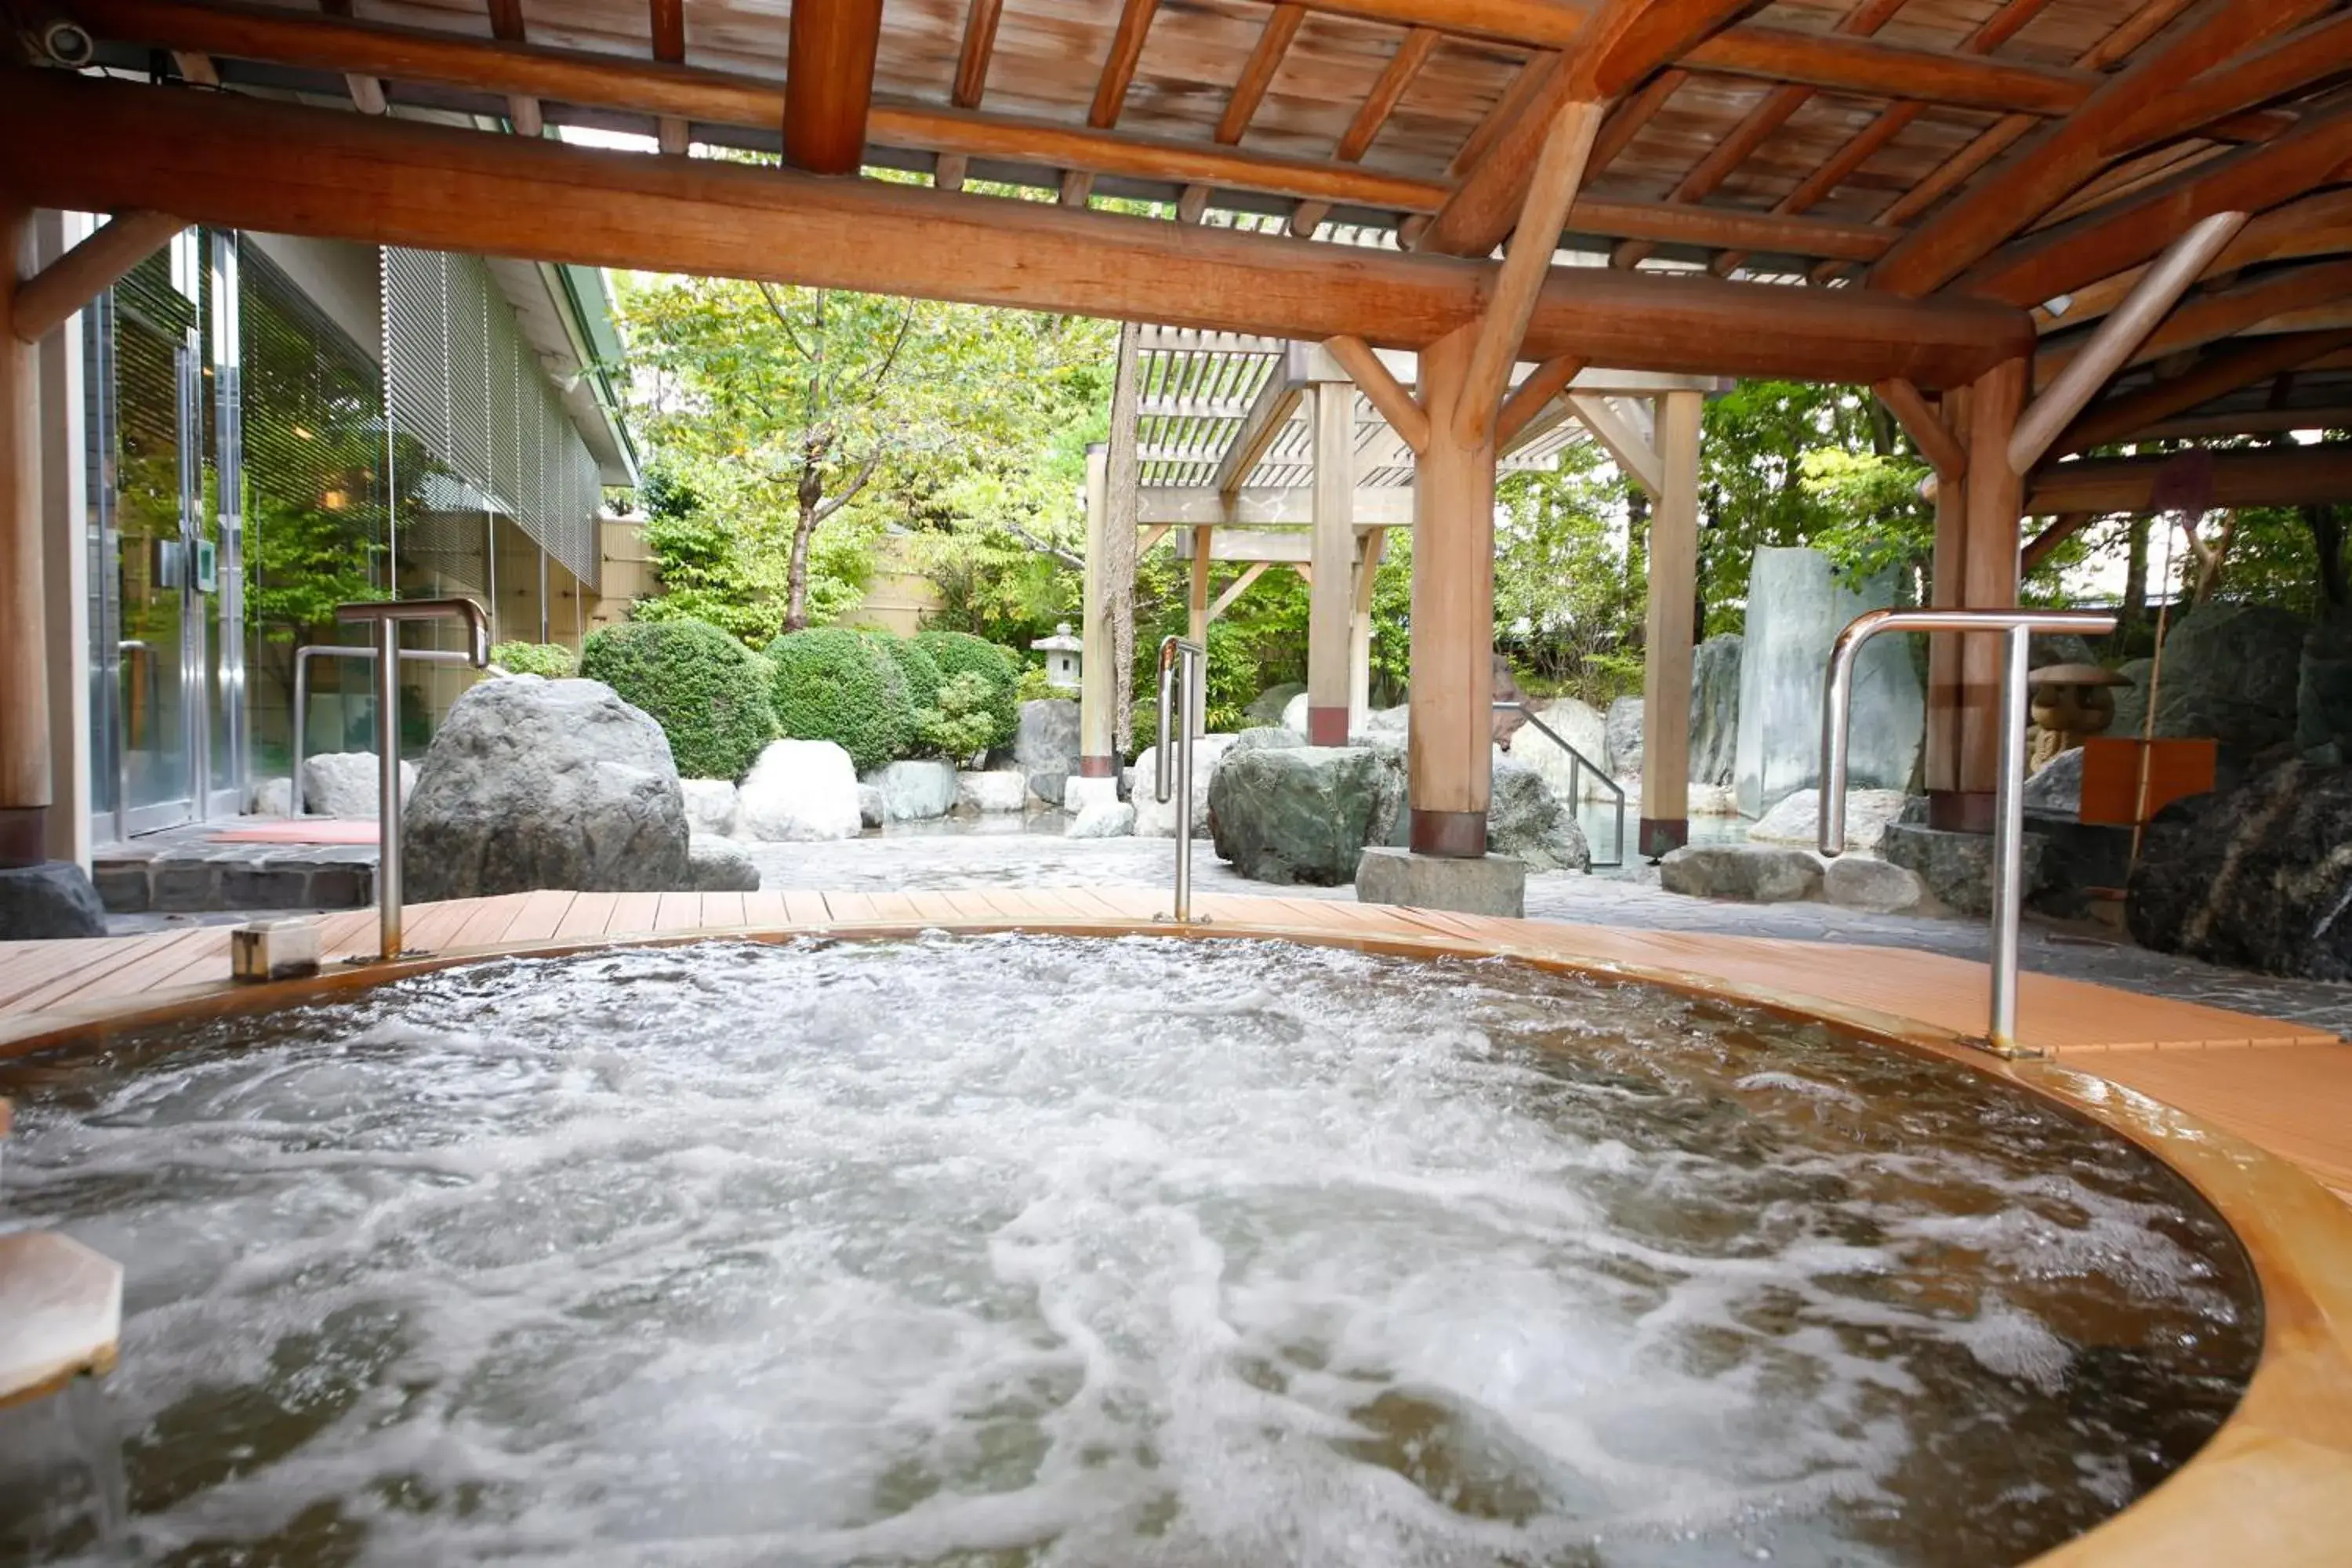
(1359, 630)
(1449, 758)
(1942, 760)
(1333, 555)
(24, 681)
(1996, 498)
(1096, 687)
(1196, 621)
(1666, 671)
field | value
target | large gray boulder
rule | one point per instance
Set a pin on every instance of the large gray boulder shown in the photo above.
(1624, 731)
(1266, 706)
(1155, 820)
(544, 784)
(915, 791)
(1268, 735)
(1879, 886)
(799, 792)
(1957, 867)
(716, 865)
(2057, 789)
(1743, 873)
(1527, 821)
(1303, 813)
(1715, 710)
(1797, 819)
(2231, 672)
(1045, 746)
(52, 900)
(2259, 877)
(2323, 693)
(1796, 607)
(347, 783)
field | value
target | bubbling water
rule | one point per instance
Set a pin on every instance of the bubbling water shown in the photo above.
(1030, 1250)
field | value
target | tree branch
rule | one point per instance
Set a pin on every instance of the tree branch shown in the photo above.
(1045, 547)
(857, 483)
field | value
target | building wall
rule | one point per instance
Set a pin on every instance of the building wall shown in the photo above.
(898, 598)
(628, 571)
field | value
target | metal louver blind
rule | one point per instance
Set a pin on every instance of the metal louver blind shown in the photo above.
(461, 380)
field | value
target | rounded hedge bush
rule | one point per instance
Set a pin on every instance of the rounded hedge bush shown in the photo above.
(832, 684)
(709, 692)
(916, 667)
(960, 653)
(552, 660)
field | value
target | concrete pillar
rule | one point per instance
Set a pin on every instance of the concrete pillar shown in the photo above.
(25, 780)
(1449, 759)
(1333, 555)
(65, 520)
(1096, 688)
(1666, 671)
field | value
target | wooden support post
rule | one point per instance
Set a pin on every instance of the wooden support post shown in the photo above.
(24, 710)
(1988, 579)
(1666, 671)
(1943, 737)
(1359, 630)
(1449, 754)
(1332, 553)
(1196, 620)
(1097, 685)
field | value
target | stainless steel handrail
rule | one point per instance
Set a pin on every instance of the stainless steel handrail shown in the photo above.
(302, 657)
(1577, 763)
(385, 616)
(2017, 628)
(1179, 656)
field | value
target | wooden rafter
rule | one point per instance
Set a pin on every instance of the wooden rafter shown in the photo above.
(979, 44)
(1119, 70)
(2277, 477)
(2285, 65)
(2317, 225)
(1532, 396)
(507, 27)
(668, 21)
(1629, 114)
(829, 84)
(367, 92)
(1257, 75)
(229, 159)
(44, 300)
(2070, 151)
(1769, 113)
(1551, 189)
(2224, 313)
(2122, 417)
(1394, 77)
(1925, 424)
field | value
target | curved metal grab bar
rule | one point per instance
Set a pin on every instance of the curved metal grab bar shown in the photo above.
(301, 721)
(1579, 764)
(385, 616)
(2017, 628)
(1175, 652)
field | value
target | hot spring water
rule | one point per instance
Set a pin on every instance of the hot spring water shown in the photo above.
(1018, 1249)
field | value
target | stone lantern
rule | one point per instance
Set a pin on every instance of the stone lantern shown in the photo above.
(1061, 651)
(2069, 702)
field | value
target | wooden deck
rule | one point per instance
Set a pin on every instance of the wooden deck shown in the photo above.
(2283, 1085)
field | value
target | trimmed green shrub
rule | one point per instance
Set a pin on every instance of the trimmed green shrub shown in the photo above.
(552, 660)
(709, 692)
(916, 667)
(961, 724)
(832, 684)
(960, 653)
(1032, 687)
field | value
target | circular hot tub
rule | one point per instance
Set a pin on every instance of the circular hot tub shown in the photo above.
(1014, 1249)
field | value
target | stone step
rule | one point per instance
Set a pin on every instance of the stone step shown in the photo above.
(185, 875)
(60, 1313)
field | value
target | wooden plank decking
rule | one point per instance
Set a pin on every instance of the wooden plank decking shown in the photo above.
(2283, 1086)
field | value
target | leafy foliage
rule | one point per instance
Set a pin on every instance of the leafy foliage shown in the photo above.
(832, 684)
(708, 691)
(552, 660)
(962, 721)
(916, 667)
(960, 653)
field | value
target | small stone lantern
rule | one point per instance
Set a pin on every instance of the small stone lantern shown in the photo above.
(2069, 702)
(1061, 651)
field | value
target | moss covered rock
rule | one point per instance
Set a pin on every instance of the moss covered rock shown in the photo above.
(709, 692)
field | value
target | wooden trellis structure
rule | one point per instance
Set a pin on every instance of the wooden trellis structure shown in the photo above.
(2035, 226)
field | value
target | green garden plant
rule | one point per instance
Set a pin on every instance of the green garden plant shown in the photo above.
(916, 667)
(960, 722)
(709, 692)
(552, 660)
(832, 684)
(960, 653)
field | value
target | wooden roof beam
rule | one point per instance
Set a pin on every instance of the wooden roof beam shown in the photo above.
(1119, 70)
(2071, 151)
(228, 159)
(522, 109)
(971, 60)
(829, 84)
(2225, 312)
(1269, 411)
(2099, 244)
(96, 263)
(1626, 41)
(2286, 65)
(2318, 225)
(367, 92)
(1923, 423)
(2216, 374)
(2278, 476)
(1241, 106)
(1769, 113)
(1551, 191)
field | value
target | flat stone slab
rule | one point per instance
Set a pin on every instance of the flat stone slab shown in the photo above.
(1747, 873)
(1490, 885)
(60, 1313)
(1875, 885)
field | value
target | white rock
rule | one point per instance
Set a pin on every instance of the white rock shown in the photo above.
(1864, 884)
(1153, 820)
(1394, 720)
(915, 791)
(1001, 790)
(1581, 728)
(716, 865)
(1714, 800)
(1797, 819)
(1078, 794)
(1114, 820)
(709, 805)
(1294, 714)
(344, 784)
(798, 791)
(870, 813)
(271, 797)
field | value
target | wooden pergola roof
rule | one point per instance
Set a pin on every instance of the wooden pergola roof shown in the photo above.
(1860, 190)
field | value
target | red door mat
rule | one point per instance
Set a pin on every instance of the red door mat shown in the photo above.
(307, 830)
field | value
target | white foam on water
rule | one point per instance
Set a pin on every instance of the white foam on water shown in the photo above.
(1083, 1252)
